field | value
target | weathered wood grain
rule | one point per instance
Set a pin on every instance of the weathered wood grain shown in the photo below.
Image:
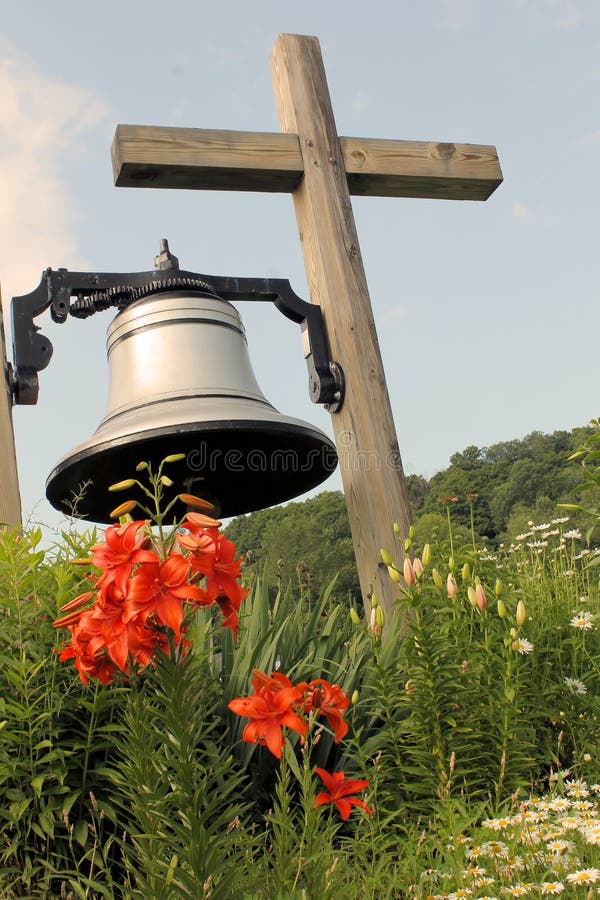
(365, 435)
(10, 500)
(200, 159)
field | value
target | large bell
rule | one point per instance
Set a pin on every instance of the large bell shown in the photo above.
(180, 381)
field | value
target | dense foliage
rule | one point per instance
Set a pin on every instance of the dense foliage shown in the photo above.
(505, 485)
(452, 751)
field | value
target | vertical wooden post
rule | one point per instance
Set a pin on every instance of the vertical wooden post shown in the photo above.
(365, 435)
(10, 500)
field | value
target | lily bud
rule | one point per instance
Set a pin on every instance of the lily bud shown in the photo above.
(166, 481)
(203, 521)
(426, 555)
(123, 509)
(409, 573)
(354, 698)
(451, 564)
(196, 502)
(451, 586)
(374, 601)
(380, 616)
(437, 579)
(417, 567)
(407, 545)
(122, 485)
(521, 613)
(499, 587)
(354, 616)
(472, 597)
(141, 466)
(385, 556)
(373, 619)
(501, 609)
(465, 572)
(174, 457)
(411, 532)
(480, 597)
(394, 574)
(396, 529)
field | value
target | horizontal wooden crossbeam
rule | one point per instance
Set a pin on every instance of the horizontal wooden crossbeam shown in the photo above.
(200, 159)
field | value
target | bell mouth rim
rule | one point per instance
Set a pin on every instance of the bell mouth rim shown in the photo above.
(304, 439)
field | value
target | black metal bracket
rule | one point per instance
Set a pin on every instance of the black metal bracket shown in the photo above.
(81, 294)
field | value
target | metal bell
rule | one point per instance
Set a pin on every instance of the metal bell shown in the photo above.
(180, 381)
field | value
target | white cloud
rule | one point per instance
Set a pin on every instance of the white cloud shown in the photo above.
(397, 313)
(458, 13)
(563, 14)
(591, 138)
(536, 216)
(42, 124)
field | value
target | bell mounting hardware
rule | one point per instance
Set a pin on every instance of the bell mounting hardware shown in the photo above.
(181, 381)
(81, 294)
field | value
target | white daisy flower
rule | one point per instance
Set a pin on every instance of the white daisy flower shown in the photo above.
(583, 620)
(575, 686)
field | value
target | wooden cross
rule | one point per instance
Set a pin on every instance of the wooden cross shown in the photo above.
(321, 171)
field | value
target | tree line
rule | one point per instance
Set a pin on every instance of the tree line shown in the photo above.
(499, 488)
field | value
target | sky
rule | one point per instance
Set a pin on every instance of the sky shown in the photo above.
(487, 313)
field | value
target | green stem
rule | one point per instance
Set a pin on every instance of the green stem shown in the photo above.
(88, 746)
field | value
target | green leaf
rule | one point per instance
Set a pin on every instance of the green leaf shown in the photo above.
(80, 832)
(37, 784)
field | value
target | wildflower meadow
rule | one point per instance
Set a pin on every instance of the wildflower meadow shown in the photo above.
(168, 730)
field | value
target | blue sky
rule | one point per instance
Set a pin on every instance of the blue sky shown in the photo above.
(487, 313)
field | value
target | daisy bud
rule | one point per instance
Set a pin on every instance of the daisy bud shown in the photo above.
(501, 609)
(166, 481)
(437, 579)
(499, 587)
(122, 485)
(480, 597)
(394, 574)
(417, 567)
(354, 616)
(409, 573)
(123, 509)
(426, 555)
(354, 698)
(451, 586)
(465, 572)
(141, 466)
(587, 757)
(521, 613)
(174, 457)
(385, 556)
(472, 597)
(380, 616)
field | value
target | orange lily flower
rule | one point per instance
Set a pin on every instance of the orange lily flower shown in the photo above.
(339, 790)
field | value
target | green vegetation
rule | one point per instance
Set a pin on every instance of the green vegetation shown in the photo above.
(475, 720)
(505, 485)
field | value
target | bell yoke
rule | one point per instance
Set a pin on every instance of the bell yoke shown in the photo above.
(181, 381)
